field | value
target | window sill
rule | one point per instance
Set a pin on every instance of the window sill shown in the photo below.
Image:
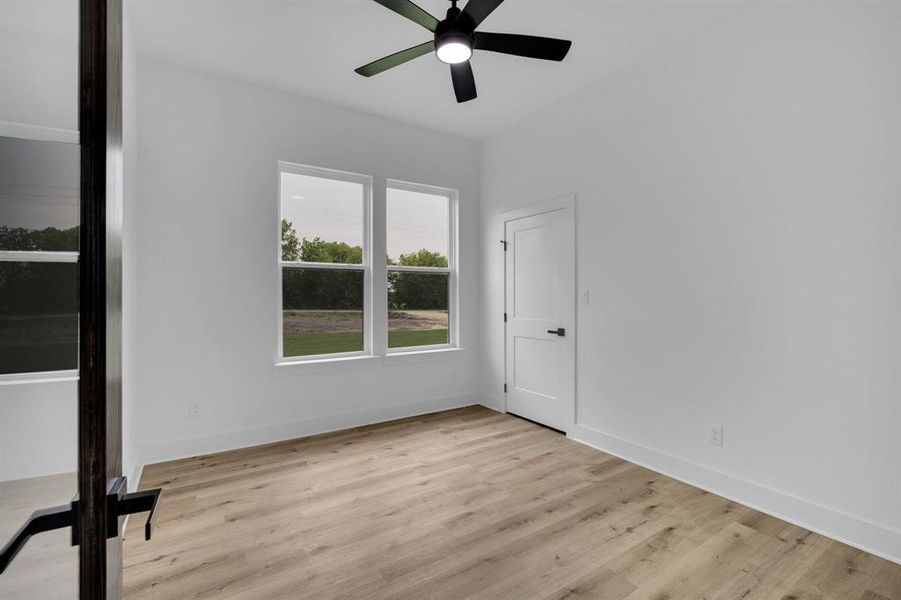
(404, 357)
(288, 367)
(30, 378)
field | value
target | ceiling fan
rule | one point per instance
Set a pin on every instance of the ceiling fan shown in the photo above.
(456, 38)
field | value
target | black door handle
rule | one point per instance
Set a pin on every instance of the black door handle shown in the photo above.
(142, 502)
(122, 504)
(40, 521)
(119, 504)
(559, 331)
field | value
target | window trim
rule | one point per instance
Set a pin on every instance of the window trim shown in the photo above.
(38, 256)
(365, 267)
(38, 377)
(452, 269)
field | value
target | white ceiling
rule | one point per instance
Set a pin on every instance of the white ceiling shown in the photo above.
(311, 47)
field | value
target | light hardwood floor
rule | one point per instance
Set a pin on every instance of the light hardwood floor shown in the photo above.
(47, 567)
(469, 504)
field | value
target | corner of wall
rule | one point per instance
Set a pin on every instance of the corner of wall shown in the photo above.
(492, 401)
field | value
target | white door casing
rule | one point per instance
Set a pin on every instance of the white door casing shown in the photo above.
(539, 300)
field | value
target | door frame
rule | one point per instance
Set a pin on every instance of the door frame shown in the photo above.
(562, 203)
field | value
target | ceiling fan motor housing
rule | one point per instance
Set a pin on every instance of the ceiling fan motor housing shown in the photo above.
(454, 29)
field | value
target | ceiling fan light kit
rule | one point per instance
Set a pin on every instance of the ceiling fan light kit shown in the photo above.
(455, 39)
(454, 53)
(453, 44)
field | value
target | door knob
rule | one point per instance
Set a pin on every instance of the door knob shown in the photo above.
(559, 331)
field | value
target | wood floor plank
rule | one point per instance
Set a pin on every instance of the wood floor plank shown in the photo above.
(469, 504)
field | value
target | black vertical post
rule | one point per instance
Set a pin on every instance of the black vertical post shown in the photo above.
(99, 387)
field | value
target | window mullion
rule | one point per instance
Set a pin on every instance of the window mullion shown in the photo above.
(423, 270)
(379, 313)
(322, 266)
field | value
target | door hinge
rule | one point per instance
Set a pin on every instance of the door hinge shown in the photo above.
(505, 388)
(504, 244)
(505, 317)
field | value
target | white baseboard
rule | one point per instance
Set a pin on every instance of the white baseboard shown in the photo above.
(874, 538)
(492, 401)
(233, 440)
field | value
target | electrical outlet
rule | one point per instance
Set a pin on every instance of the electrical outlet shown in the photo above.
(194, 409)
(585, 297)
(453, 376)
(715, 435)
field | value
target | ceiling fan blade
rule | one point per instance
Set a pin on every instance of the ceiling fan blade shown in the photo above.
(396, 59)
(407, 9)
(523, 45)
(464, 81)
(478, 10)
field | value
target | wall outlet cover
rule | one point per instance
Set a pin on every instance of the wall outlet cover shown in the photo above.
(715, 434)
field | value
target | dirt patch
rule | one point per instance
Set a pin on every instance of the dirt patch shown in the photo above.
(319, 321)
(417, 320)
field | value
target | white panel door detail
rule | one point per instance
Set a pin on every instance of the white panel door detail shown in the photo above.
(539, 299)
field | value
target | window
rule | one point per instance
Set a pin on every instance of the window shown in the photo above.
(323, 262)
(38, 257)
(421, 265)
(327, 278)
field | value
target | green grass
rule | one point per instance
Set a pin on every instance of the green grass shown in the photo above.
(332, 342)
(408, 338)
(329, 342)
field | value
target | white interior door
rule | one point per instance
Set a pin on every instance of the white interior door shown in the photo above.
(540, 294)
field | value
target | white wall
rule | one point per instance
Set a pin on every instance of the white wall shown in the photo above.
(39, 100)
(206, 222)
(39, 69)
(38, 429)
(738, 218)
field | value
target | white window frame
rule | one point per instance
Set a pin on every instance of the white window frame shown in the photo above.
(38, 256)
(365, 267)
(452, 269)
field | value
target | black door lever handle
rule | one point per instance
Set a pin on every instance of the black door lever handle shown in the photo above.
(142, 502)
(119, 503)
(122, 503)
(559, 331)
(40, 521)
